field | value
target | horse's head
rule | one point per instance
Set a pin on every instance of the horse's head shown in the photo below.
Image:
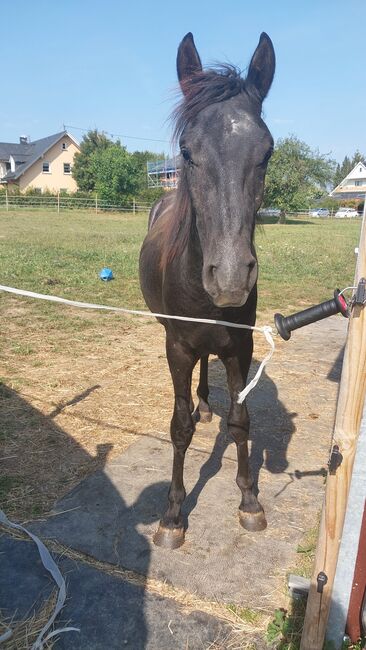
(225, 147)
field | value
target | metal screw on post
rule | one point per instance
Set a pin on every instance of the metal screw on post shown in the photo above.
(322, 580)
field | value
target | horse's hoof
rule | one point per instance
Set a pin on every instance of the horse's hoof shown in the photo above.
(169, 537)
(205, 417)
(202, 413)
(253, 521)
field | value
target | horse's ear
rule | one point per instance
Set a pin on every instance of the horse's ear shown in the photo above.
(188, 60)
(262, 67)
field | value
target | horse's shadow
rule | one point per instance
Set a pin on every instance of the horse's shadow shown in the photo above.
(271, 429)
(24, 585)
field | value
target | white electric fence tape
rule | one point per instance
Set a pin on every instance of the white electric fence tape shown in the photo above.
(55, 572)
(266, 330)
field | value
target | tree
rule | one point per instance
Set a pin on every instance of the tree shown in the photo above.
(83, 171)
(296, 176)
(115, 172)
(141, 158)
(347, 165)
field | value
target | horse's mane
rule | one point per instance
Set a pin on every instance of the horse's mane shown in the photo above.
(199, 91)
(203, 89)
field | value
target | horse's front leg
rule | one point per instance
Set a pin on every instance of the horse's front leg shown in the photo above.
(204, 410)
(170, 533)
(251, 513)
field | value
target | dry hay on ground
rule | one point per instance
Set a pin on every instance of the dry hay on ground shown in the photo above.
(66, 412)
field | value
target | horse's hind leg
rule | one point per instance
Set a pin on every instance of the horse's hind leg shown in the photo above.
(181, 363)
(251, 513)
(203, 410)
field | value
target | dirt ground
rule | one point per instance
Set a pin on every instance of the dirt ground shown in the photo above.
(66, 413)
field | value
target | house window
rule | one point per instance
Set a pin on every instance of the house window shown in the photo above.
(67, 168)
(64, 146)
(46, 167)
(38, 190)
(358, 183)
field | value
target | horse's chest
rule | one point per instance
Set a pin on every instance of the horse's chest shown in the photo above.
(208, 339)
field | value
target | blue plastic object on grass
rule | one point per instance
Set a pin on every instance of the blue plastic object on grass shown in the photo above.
(106, 274)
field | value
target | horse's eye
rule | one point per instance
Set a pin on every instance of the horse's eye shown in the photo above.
(266, 157)
(268, 154)
(186, 155)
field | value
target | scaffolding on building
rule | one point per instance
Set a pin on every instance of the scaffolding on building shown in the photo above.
(163, 173)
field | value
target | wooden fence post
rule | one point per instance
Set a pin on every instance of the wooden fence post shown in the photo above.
(96, 203)
(58, 202)
(350, 405)
(6, 200)
(134, 207)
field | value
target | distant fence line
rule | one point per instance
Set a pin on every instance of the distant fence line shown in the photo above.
(62, 202)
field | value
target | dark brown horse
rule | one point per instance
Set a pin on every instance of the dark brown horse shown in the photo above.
(199, 260)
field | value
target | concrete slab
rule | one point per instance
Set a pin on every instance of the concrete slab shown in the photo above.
(109, 611)
(113, 514)
(24, 582)
(112, 613)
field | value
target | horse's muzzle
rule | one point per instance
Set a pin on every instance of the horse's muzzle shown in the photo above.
(230, 287)
(231, 299)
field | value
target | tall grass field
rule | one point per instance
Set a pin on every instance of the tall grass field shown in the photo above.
(300, 263)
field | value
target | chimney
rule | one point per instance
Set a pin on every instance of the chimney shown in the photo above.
(24, 139)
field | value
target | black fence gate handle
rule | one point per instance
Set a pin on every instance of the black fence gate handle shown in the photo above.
(286, 324)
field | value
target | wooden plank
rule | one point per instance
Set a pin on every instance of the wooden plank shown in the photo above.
(350, 404)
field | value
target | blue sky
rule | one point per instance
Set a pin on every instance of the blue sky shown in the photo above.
(111, 65)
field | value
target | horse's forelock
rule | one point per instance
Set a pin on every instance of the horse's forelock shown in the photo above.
(203, 89)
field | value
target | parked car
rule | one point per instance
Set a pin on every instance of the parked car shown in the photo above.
(270, 212)
(319, 212)
(343, 213)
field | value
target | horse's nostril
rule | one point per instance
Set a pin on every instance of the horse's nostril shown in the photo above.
(252, 264)
(212, 270)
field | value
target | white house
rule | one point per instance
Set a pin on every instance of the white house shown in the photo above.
(353, 186)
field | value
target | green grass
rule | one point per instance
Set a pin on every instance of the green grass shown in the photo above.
(244, 613)
(300, 263)
(64, 253)
(304, 261)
